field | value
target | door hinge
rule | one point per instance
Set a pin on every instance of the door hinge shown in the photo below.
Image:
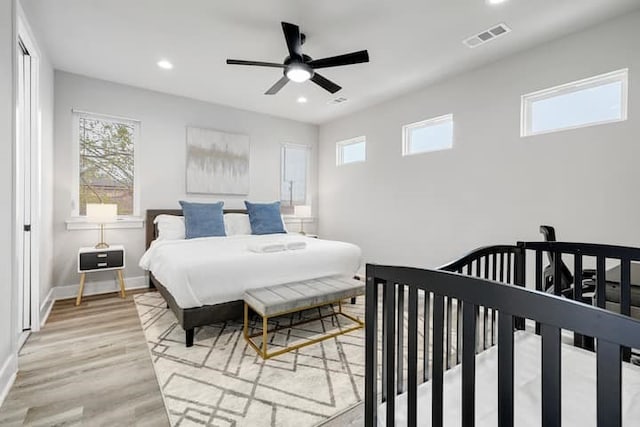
(27, 227)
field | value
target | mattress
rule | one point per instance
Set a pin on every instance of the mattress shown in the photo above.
(578, 389)
(213, 270)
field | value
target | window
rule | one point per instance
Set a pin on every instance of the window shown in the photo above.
(106, 162)
(593, 101)
(428, 135)
(293, 176)
(351, 151)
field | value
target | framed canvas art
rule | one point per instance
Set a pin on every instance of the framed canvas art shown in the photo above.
(217, 162)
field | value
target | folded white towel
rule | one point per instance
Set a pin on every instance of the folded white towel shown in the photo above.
(267, 247)
(296, 245)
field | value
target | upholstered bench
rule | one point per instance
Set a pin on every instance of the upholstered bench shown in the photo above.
(293, 297)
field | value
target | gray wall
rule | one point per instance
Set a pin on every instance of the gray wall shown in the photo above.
(162, 151)
(493, 186)
(8, 295)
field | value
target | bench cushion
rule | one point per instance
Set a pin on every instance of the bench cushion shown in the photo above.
(289, 297)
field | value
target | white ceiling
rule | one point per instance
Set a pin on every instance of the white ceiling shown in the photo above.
(411, 43)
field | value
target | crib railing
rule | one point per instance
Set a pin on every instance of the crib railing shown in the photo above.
(611, 331)
(576, 256)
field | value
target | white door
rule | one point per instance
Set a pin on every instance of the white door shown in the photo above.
(23, 175)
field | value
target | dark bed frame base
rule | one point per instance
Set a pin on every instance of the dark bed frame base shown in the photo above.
(191, 318)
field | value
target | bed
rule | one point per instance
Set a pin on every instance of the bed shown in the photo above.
(498, 351)
(203, 280)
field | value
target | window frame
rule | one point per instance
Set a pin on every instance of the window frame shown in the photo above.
(75, 193)
(340, 145)
(527, 100)
(435, 121)
(283, 148)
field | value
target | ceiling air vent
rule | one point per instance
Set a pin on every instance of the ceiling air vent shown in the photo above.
(338, 100)
(487, 35)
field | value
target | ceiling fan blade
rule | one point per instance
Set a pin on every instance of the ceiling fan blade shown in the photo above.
(325, 83)
(277, 86)
(292, 36)
(256, 63)
(336, 61)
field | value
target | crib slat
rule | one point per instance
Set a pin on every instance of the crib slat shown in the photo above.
(625, 297)
(538, 280)
(501, 266)
(458, 332)
(557, 275)
(448, 334)
(371, 351)
(505, 370)
(436, 381)
(609, 373)
(426, 328)
(600, 282)
(400, 344)
(385, 350)
(389, 356)
(551, 371)
(412, 358)
(578, 339)
(468, 364)
(508, 268)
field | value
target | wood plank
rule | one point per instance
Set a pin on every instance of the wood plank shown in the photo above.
(88, 365)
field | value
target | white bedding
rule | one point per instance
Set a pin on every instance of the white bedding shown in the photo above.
(214, 270)
(578, 389)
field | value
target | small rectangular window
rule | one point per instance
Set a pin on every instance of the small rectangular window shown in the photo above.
(593, 101)
(351, 151)
(293, 176)
(428, 135)
(106, 162)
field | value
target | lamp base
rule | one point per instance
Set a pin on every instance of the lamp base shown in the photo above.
(101, 245)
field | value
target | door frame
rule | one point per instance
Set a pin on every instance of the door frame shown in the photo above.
(25, 35)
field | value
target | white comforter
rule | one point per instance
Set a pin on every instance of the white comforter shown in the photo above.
(213, 270)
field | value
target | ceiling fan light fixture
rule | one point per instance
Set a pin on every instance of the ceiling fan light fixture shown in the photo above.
(298, 74)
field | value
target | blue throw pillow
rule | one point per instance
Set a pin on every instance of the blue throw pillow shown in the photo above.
(265, 218)
(203, 219)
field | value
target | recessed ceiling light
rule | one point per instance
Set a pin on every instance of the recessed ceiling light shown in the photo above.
(496, 1)
(302, 100)
(165, 65)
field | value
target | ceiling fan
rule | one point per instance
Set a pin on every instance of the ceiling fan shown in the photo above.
(299, 67)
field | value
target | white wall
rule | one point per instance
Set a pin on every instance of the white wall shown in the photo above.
(162, 151)
(8, 295)
(493, 187)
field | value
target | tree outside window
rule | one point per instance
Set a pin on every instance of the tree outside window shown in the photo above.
(106, 169)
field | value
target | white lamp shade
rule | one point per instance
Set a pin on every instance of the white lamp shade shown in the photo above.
(303, 211)
(102, 212)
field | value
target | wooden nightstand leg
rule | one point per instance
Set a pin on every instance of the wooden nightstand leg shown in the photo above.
(121, 279)
(79, 298)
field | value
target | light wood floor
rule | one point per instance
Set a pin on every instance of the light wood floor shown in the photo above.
(89, 365)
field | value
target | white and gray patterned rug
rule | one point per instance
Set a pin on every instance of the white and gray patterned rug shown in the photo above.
(221, 381)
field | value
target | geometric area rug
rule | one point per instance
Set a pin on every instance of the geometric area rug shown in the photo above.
(221, 380)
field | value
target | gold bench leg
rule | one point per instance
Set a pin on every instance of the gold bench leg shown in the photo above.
(264, 337)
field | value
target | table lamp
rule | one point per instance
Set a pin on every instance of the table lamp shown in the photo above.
(102, 213)
(302, 212)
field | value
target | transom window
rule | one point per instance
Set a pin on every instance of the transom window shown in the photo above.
(106, 162)
(428, 135)
(351, 151)
(593, 101)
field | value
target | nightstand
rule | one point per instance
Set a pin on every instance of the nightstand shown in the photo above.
(91, 260)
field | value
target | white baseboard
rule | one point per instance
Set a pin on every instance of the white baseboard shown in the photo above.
(97, 288)
(45, 308)
(7, 376)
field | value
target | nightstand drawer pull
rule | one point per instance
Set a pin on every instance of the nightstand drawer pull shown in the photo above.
(102, 264)
(101, 255)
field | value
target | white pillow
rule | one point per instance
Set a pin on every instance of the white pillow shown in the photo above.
(236, 224)
(170, 227)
